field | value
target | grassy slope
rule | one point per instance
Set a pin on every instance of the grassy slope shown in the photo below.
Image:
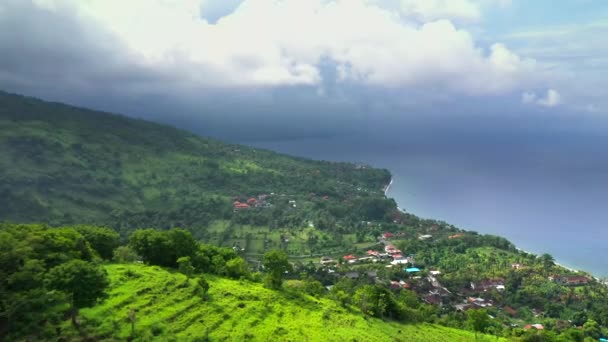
(63, 165)
(236, 311)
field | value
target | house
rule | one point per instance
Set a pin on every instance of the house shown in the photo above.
(365, 259)
(572, 280)
(412, 270)
(425, 237)
(480, 302)
(440, 291)
(352, 275)
(517, 266)
(349, 257)
(390, 249)
(537, 312)
(372, 253)
(434, 273)
(433, 299)
(252, 201)
(534, 326)
(489, 284)
(239, 205)
(387, 235)
(400, 285)
(455, 236)
(462, 307)
(401, 261)
(327, 260)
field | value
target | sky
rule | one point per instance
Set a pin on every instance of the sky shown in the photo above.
(247, 70)
(491, 114)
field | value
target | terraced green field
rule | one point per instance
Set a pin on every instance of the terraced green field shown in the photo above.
(167, 308)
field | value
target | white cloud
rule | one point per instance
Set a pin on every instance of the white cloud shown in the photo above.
(428, 10)
(574, 59)
(551, 99)
(277, 43)
(528, 97)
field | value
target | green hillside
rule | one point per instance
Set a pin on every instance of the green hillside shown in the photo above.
(68, 170)
(166, 309)
(63, 165)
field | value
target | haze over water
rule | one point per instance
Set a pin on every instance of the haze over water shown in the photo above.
(546, 196)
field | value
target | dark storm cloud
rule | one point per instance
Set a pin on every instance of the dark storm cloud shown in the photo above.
(59, 55)
(55, 54)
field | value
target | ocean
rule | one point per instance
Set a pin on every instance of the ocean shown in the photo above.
(544, 195)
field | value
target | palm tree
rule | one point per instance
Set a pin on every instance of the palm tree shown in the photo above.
(547, 260)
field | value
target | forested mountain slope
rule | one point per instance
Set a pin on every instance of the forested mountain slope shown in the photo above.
(62, 165)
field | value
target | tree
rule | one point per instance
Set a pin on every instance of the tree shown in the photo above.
(592, 329)
(83, 283)
(102, 240)
(478, 320)
(182, 242)
(185, 266)
(163, 248)
(375, 301)
(277, 264)
(313, 287)
(364, 298)
(546, 260)
(236, 268)
(153, 246)
(132, 317)
(203, 286)
(124, 254)
(574, 335)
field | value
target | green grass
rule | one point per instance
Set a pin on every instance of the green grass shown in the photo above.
(167, 309)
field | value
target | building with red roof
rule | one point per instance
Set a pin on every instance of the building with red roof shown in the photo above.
(239, 205)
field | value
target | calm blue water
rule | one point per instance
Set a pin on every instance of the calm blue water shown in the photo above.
(544, 196)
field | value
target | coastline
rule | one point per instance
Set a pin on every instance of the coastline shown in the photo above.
(556, 262)
(387, 188)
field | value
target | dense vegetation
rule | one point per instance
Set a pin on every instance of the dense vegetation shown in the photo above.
(165, 309)
(66, 165)
(47, 272)
(259, 218)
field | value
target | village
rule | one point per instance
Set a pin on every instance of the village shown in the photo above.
(383, 263)
(425, 281)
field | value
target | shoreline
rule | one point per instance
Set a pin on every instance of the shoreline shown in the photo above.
(387, 188)
(556, 262)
